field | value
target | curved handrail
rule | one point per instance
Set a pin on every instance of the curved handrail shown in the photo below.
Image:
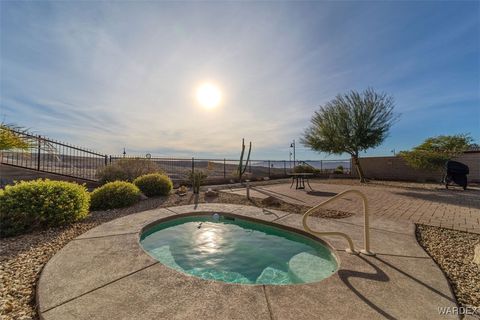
(351, 248)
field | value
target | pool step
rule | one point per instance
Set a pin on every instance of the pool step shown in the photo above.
(164, 255)
(271, 275)
(219, 275)
(306, 267)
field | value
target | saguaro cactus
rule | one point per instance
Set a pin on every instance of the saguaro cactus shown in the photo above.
(241, 167)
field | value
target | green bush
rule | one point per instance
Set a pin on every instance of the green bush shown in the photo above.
(127, 169)
(30, 205)
(338, 170)
(434, 152)
(111, 173)
(154, 184)
(113, 195)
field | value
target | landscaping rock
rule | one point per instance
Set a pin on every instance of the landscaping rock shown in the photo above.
(476, 256)
(454, 251)
(211, 193)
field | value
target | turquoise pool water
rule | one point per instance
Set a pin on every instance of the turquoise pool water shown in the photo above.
(237, 251)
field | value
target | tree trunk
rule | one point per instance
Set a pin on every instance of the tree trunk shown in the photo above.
(359, 169)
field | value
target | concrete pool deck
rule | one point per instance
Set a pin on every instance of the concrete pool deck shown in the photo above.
(105, 274)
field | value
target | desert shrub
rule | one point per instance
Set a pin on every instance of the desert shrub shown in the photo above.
(154, 184)
(182, 190)
(30, 205)
(111, 173)
(305, 169)
(127, 169)
(116, 194)
(338, 170)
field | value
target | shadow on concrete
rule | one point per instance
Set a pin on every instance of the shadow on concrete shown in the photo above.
(468, 198)
(321, 193)
(276, 194)
(379, 275)
(266, 211)
(416, 280)
(194, 197)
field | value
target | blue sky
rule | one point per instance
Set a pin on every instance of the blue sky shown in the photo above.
(108, 75)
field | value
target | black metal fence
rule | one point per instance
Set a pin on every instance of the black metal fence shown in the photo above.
(178, 169)
(47, 155)
(226, 170)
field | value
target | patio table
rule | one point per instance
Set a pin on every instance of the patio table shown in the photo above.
(300, 179)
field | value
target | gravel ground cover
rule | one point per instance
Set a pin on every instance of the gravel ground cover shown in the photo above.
(453, 251)
(23, 257)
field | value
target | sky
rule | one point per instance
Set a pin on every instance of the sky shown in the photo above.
(109, 75)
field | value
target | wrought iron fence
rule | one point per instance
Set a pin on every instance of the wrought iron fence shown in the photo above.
(47, 155)
(226, 170)
(51, 156)
(178, 169)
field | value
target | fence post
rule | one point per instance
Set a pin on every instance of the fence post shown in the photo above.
(284, 167)
(224, 169)
(110, 159)
(106, 159)
(38, 150)
(269, 168)
(193, 165)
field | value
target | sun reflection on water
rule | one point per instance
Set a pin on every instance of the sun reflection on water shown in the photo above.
(209, 239)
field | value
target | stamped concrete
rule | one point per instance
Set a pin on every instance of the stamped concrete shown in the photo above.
(454, 208)
(395, 244)
(86, 264)
(129, 224)
(104, 274)
(159, 292)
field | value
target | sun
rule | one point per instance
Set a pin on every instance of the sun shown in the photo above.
(208, 95)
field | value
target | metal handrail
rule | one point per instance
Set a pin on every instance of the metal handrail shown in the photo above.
(351, 248)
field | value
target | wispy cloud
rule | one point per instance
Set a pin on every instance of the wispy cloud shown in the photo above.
(114, 75)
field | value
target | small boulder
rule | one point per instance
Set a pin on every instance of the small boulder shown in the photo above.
(476, 257)
(211, 193)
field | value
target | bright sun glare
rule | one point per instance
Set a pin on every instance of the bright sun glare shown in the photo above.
(208, 95)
